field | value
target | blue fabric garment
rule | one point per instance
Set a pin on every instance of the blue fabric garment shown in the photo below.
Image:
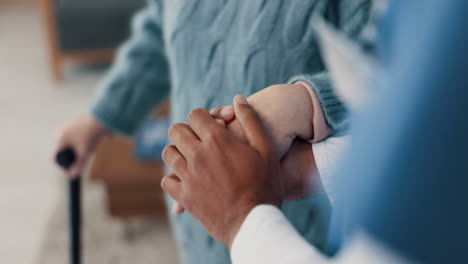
(405, 180)
(151, 139)
(201, 54)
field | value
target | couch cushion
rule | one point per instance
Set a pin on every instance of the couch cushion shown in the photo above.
(91, 24)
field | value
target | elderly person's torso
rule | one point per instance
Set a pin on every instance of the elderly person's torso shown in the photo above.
(217, 49)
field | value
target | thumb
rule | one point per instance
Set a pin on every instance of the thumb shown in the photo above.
(226, 113)
(252, 125)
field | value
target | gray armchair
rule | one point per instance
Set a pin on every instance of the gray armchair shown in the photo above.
(86, 31)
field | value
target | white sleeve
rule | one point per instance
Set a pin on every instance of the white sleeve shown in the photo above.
(267, 237)
(327, 155)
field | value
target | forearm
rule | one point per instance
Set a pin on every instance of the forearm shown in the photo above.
(138, 80)
(308, 168)
(326, 103)
(299, 169)
(321, 130)
(286, 112)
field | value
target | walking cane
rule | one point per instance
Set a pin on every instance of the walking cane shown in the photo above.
(65, 158)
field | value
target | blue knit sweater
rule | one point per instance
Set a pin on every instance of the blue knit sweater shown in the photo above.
(201, 54)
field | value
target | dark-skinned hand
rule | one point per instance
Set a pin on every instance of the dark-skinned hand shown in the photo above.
(221, 178)
(298, 168)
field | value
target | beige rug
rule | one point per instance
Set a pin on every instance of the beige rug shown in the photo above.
(106, 240)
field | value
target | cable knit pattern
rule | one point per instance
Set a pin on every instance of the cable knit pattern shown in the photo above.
(202, 53)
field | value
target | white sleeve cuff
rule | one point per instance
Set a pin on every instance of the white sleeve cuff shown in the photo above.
(327, 155)
(266, 236)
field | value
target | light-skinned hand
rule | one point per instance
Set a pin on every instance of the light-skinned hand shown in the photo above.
(81, 135)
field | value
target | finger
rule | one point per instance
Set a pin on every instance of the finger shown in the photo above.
(172, 185)
(79, 165)
(252, 125)
(177, 209)
(216, 112)
(183, 138)
(76, 169)
(175, 160)
(225, 113)
(221, 122)
(203, 124)
(79, 162)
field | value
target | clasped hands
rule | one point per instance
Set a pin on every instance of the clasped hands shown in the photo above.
(222, 169)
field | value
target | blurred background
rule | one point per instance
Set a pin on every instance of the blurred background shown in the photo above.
(52, 55)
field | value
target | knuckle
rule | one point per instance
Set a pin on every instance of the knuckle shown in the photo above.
(191, 114)
(196, 112)
(213, 139)
(165, 153)
(173, 130)
(172, 159)
(163, 184)
(170, 131)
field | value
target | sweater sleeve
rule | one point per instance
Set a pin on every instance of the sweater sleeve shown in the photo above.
(139, 78)
(353, 19)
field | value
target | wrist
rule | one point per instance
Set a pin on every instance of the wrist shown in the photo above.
(235, 223)
(96, 131)
(303, 113)
(319, 124)
(97, 128)
(286, 111)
